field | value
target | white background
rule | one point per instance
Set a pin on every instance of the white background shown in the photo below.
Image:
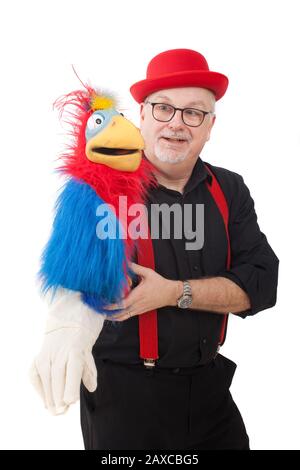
(254, 43)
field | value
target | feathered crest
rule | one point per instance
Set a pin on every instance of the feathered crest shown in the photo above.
(103, 101)
(84, 101)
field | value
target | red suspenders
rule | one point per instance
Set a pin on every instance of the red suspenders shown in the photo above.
(219, 198)
(148, 321)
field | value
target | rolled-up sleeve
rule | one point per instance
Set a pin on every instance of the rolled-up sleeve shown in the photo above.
(254, 265)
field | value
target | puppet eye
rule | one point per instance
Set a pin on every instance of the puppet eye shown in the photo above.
(95, 121)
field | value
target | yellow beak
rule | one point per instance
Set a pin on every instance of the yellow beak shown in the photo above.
(118, 146)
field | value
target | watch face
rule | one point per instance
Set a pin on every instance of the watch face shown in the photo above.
(185, 302)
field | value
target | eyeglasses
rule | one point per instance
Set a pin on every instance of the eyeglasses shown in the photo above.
(190, 116)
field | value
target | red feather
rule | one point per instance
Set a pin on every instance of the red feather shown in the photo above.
(108, 183)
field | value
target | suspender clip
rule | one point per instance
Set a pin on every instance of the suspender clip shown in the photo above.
(149, 363)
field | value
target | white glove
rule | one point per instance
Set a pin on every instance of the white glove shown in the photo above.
(65, 358)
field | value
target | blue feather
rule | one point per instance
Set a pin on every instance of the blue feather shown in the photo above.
(75, 257)
(93, 300)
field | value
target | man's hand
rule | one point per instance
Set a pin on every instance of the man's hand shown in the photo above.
(154, 291)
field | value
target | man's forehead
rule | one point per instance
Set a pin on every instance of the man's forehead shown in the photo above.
(195, 95)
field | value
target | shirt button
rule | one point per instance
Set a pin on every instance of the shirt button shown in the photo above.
(195, 268)
(175, 371)
(204, 340)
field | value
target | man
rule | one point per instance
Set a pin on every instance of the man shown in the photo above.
(209, 258)
(183, 402)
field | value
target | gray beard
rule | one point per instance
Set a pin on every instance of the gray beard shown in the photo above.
(168, 157)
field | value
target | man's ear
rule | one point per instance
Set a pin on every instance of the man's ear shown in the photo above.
(142, 111)
(210, 127)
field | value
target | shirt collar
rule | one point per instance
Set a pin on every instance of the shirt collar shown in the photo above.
(198, 175)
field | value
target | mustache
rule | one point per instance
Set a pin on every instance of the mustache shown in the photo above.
(177, 135)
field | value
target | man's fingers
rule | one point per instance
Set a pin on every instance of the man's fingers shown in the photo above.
(129, 280)
(112, 307)
(138, 269)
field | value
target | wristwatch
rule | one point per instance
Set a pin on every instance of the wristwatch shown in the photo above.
(186, 299)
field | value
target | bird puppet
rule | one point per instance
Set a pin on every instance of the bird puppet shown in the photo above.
(89, 249)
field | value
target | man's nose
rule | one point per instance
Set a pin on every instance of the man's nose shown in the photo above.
(176, 120)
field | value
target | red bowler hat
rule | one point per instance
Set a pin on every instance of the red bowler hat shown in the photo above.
(179, 68)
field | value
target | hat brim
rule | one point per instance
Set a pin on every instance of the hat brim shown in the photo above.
(213, 81)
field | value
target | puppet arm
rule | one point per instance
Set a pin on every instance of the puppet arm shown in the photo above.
(66, 355)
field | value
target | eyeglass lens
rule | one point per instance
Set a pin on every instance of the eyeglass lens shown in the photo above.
(165, 112)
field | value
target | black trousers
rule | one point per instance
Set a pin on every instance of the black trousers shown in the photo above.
(183, 409)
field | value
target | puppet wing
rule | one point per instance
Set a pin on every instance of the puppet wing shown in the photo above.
(83, 253)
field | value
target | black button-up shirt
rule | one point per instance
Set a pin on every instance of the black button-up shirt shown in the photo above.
(189, 337)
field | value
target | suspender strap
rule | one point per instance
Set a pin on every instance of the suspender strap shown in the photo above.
(219, 198)
(147, 321)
